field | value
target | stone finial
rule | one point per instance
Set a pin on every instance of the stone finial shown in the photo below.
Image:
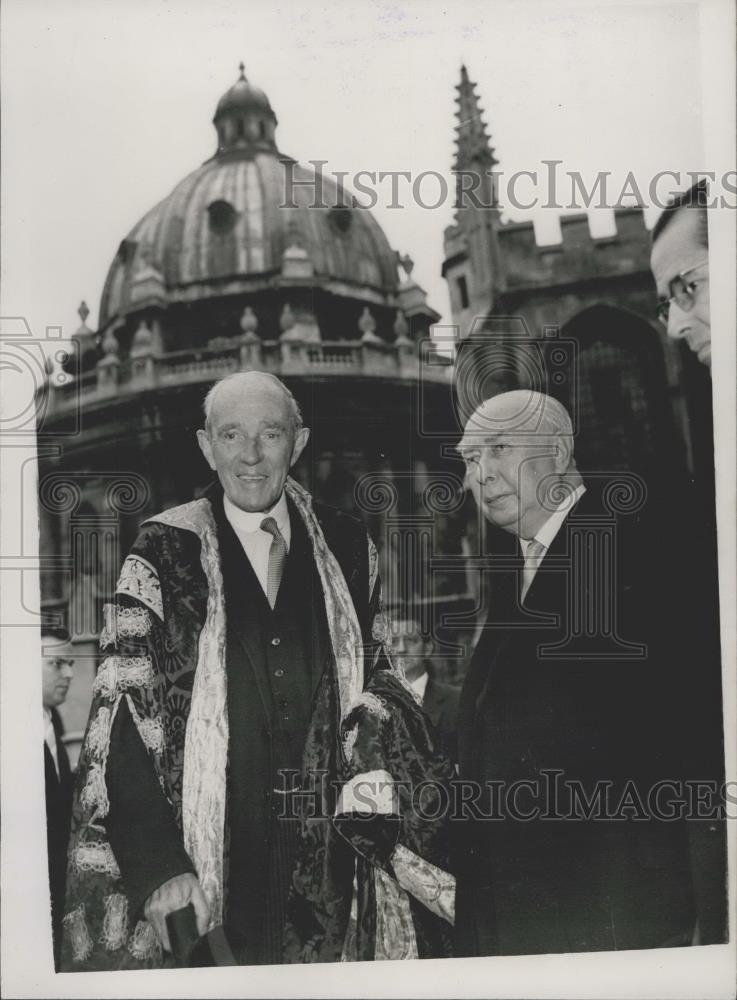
(148, 284)
(296, 262)
(286, 320)
(83, 335)
(249, 324)
(367, 326)
(407, 264)
(401, 328)
(108, 366)
(110, 347)
(142, 340)
(294, 234)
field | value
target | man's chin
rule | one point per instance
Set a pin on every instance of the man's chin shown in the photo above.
(501, 519)
(252, 500)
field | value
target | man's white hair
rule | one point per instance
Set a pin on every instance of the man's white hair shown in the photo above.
(521, 411)
(207, 404)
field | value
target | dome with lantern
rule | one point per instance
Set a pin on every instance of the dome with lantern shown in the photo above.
(252, 262)
(252, 228)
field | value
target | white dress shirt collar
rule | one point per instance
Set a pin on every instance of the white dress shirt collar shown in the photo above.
(256, 542)
(246, 522)
(552, 526)
(420, 684)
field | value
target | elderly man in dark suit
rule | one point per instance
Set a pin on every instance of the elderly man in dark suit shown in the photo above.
(439, 700)
(571, 708)
(245, 719)
(57, 673)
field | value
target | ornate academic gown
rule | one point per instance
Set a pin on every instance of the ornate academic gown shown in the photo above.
(223, 714)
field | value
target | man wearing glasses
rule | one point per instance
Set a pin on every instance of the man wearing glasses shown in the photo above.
(680, 265)
(57, 671)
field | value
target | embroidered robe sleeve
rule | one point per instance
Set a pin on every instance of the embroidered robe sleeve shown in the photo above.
(141, 827)
(127, 751)
(402, 838)
(394, 810)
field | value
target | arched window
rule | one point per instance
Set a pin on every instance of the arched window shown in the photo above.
(340, 218)
(614, 384)
(222, 216)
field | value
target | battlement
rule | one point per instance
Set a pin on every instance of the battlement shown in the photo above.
(578, 256)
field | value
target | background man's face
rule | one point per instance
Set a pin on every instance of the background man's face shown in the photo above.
(251, 443)
(409, 646)
(57, 672)
(504, 473)
(678, 248)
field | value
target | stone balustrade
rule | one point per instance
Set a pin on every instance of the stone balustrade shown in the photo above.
(114, 377)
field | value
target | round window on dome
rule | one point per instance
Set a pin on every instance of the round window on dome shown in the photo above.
(222, 216)
(340, 218)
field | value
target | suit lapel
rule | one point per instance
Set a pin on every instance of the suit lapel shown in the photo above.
(302, 568)
(548, 591)
(61, 751)
(52, 778)
(432, 702)
(246, 604)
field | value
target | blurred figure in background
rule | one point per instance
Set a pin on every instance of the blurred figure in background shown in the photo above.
(440, 701)
(57, 672)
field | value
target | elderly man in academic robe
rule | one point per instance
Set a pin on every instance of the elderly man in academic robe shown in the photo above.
(251, 750)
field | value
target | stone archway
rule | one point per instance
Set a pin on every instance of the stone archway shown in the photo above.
(617, 392)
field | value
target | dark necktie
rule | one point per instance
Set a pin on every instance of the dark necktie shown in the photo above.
(277, 556)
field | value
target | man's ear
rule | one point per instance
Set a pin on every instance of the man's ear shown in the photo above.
(203, 439)
(563, 453)
(300, 440)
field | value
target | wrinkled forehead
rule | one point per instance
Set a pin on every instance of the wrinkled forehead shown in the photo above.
(511, 414)
(57, 650)
(253, 398)
(407, 627)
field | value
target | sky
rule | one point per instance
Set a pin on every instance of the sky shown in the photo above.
(106, 106)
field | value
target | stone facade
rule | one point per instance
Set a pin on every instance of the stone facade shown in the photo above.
(575, 319)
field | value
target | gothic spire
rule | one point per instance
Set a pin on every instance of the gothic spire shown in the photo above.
(473, 144)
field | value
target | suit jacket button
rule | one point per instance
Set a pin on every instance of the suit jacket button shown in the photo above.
(279, 673)
(275, 641)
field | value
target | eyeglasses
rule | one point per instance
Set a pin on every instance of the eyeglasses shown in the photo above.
(682, 292)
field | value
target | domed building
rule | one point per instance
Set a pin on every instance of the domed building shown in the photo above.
(252, 228)
(252, 262)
